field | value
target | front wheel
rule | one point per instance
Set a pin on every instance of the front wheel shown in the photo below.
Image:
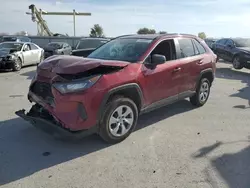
(119, 120)
(236, 63)
(17, 65)
(202, 93)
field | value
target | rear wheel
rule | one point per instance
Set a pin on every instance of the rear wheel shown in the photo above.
(202, 93)
(119, 120)
(17, 65)
(236, 63)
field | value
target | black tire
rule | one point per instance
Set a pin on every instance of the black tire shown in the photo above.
(196, 99)
(236, 63)
(110, 110)
(17, 65)
(217, 59)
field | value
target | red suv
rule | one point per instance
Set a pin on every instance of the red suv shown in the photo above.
(105, 92)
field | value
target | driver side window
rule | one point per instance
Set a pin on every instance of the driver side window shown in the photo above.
(230, 42)
(26, 47)
(166, 48)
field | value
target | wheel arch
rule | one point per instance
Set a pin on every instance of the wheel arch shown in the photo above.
(207, 73)
(131, 90)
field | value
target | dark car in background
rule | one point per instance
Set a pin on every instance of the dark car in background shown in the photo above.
(57, 48)
(235, 50)
(87, 45)
(210, 42)
(10, 38)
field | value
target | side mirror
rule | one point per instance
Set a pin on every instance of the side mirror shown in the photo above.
(158, 59)
(230, 45)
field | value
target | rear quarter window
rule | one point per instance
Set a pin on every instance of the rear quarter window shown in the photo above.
(198, 47)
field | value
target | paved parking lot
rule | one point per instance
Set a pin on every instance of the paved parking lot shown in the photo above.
(176, 146)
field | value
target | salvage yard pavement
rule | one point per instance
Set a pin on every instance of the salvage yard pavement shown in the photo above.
(175, 146)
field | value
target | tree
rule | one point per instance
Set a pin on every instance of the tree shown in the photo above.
(21, 33)
(202, 35)
(163, 32)
(146, 31)
(96, 31)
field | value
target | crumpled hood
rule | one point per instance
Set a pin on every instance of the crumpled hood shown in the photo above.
(246, 49)
(73, 64)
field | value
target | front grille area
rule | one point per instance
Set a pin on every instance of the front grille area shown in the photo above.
(42, 90)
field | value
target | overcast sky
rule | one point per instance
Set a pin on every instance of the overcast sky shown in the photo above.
(217, 18)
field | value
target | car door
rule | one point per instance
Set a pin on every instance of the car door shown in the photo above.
(188, 57)
(27, 55)
(162, 81)
(67, 49)
(229, 49)
(220, 48)
(35, 53)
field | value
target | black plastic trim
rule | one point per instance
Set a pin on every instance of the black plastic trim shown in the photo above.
(82, 111)
(208, 70)
(53, 129)
(116, 89)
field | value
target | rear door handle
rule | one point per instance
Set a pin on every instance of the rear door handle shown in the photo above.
(177, 69)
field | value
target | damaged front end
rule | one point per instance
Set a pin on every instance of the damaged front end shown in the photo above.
(6, 62)
(67, 95)
(39, 117)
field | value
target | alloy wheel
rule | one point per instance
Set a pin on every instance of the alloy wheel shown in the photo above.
(204, 92)
(121, 120)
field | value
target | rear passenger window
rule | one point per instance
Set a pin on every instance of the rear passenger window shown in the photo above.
(186, 47)
(199, 47)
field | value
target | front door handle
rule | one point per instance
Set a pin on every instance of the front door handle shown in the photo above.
(177, 69)
(200, 62)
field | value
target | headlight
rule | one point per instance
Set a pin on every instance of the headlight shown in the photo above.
(77, 85)
(11, 57)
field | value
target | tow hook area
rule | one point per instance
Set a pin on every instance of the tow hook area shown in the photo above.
(43, 120)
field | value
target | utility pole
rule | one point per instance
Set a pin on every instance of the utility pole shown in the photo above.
(37, 16)
(74, 21)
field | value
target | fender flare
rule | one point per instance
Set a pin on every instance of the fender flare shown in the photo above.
(202, 73)
(117, 89)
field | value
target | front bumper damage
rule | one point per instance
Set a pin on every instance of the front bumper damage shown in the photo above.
(6, 64)
(43, 120)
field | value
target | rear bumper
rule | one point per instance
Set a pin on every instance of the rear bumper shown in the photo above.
(41, 119)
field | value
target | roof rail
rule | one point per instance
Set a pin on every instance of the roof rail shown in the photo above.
(120, 36)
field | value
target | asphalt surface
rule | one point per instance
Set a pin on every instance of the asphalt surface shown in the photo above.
(176, 146)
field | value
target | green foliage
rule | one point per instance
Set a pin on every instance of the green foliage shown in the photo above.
(146, 31)
(163, 32)
(96, 31)
(202, 35)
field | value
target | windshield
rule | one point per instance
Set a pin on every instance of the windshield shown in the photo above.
(55, 45)
(17, 46)
(242, 42)
(122, 49)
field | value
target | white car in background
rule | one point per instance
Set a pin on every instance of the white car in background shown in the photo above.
(15, 55)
